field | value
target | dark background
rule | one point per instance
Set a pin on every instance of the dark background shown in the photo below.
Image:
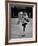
(15, 10)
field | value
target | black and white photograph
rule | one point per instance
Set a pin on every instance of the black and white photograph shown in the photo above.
(21, 22)
(21, 18)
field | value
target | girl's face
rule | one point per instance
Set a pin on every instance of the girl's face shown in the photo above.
(25, 15)
(20, 14)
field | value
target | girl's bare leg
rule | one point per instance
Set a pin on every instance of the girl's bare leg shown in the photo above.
(23, 31)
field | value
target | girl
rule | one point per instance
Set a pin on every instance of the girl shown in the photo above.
(25, 21)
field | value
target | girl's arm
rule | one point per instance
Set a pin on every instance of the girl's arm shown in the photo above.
(18, 22)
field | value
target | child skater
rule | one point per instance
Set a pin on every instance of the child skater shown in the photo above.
(25, 22)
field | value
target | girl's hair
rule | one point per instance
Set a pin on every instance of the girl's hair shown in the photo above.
(20, 12)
